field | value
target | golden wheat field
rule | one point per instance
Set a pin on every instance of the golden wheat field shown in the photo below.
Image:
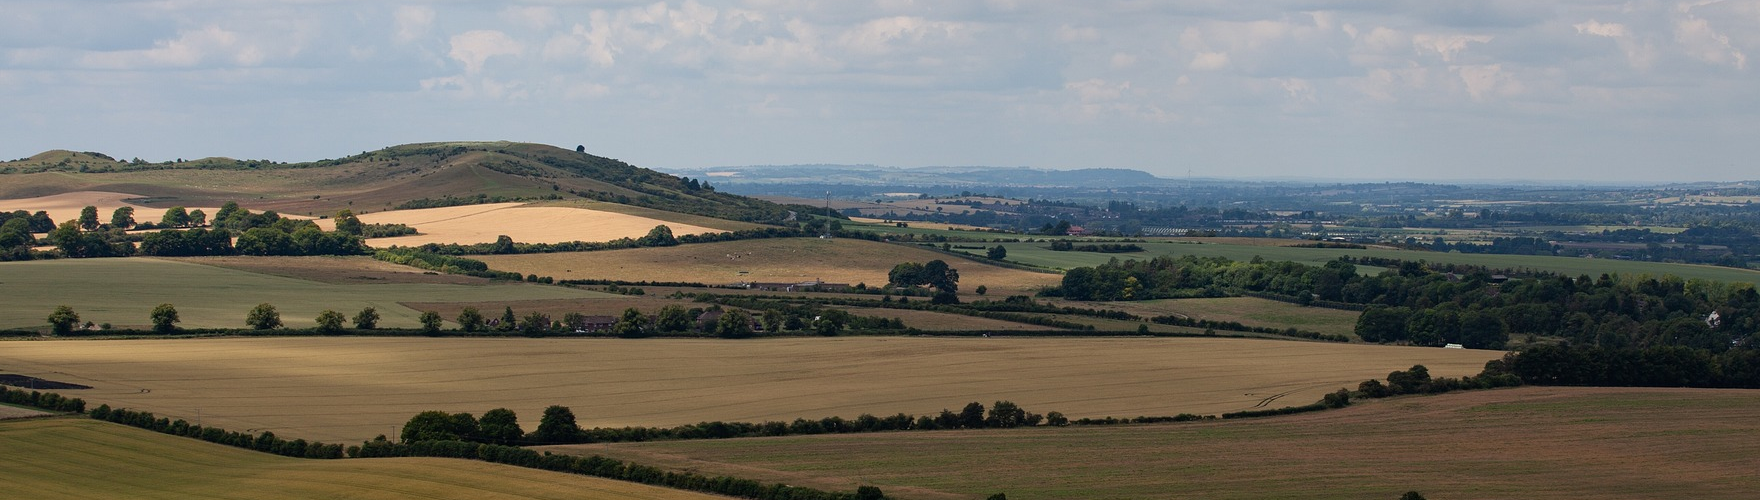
(89, 459)
(351, 389)
(65, 207)
(471, 224)
(766, 260)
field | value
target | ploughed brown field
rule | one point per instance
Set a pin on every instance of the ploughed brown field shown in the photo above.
(1529, 443)
(784, 260)
(351, 389)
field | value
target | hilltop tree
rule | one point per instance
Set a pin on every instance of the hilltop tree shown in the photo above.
(580, 148)
(367, 319)
(62, 320)
(557, 425)
(88, 218)
(470, 320)
(431, 322)
(122, 218)
(164, 319)
(263, 317)
(330, 321)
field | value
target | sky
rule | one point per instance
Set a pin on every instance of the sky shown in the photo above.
(1347, 89)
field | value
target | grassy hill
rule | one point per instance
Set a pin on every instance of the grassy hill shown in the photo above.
(428, 173)
(79, 458)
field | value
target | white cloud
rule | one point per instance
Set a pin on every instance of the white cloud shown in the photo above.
(1598, 28)
(412, 22)
(210, 44)
(1447, 46)
(1700, 41)
(1209, 61)
(474, 48)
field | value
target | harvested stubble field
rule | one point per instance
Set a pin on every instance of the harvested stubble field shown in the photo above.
(8, 412)
(765, 260)
(471, 224)
(1531, 443)
(351, 389)
(88, 459)
(1249, 311)
(125, 291)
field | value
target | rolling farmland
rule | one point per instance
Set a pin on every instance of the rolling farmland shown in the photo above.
(351, 389)
(115, 461)
(123, 292)
(773, 260)
(1533, 443)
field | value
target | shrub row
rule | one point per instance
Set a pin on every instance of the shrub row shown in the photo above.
(1238, 327)
(597, 466)
(266, 442)
(45, 400)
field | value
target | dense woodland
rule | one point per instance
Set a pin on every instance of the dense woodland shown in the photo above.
(1413, 303)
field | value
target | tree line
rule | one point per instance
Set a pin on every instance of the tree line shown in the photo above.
(558, 426)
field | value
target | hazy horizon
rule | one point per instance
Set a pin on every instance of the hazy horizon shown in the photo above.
(1498, 91)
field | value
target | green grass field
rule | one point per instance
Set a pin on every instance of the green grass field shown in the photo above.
(88, 459)
(124, 291)
(1038, 254)
(1530, 443)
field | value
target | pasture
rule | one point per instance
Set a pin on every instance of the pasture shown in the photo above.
(80, 458)
(1038, 254)
(787, 260)
(351, 389)
(470, 224)
(1531, 443)
(124, 291)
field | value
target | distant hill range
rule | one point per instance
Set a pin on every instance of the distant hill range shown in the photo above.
(870, 175)
(407, 176)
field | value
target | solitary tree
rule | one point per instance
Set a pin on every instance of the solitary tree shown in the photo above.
(997, 252)
(982, 289)
(470, 319)
(367, 319)
(263, 317)
(557, 426)
(431, 322)
(63, 319)
(88, 218)
(164, 319)
(330, 321)
(122, 218)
